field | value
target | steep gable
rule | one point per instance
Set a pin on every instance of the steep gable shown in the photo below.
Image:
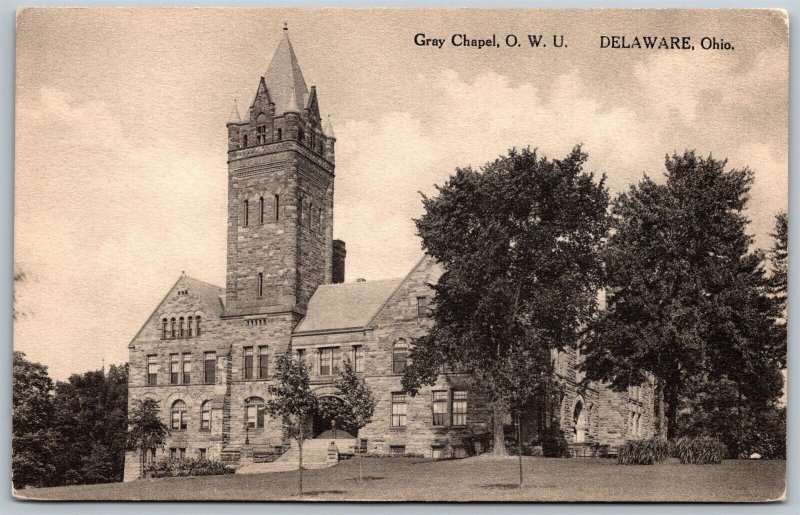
(187, 297)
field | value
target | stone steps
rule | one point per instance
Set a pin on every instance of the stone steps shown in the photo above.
(315, 456)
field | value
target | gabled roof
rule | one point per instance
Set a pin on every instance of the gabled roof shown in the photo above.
(345, 305)
(287, 87)
(211, 295)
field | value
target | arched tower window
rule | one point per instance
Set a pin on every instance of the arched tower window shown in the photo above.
(244, 141)
(178, 415)
(254, 413)
(300, 211)
(189, 328)
(399, 356)
(164, 329)
(261, 210)
(277, 207)
(319, 219)
(246, 209)
(260, 284)
(205, 416)
(300, 134)
(197, 326)
(261, 129)
(182, 327)
(172, 327)
(278, 135)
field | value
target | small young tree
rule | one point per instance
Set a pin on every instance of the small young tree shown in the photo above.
(358, 401)
(146, 432)
(291, 400)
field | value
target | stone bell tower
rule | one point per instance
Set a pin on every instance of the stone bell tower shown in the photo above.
(280, 194)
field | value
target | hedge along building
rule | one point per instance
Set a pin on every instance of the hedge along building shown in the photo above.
(206, 352)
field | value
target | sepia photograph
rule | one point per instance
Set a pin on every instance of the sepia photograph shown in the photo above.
(400, 255)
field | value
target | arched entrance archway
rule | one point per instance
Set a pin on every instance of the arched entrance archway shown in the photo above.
(331, 419)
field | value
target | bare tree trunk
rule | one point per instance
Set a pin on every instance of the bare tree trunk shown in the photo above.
(498, 413)
(300, 448)
(519, 445)
(661, 412)
(360, 471)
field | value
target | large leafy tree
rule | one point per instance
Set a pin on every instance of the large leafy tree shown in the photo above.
(519, 241)
(33, 440)
(90, 415)
(687, 299)
(146, 431)
(292, 401)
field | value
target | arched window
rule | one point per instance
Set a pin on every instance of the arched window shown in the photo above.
(278, 135)
(300, 134)
(261, 129)
(311, 215)
(399, 356)
(189, 327)
(179, 417)
(246, 209)
(260, 284)
(164, 329)
(254, 413)
(197, 326)
(205, 416)
(261, 210)
(319, 219)
(277, 207)
(244, 141)
(172, 328)
(579, 421)
(182, 327)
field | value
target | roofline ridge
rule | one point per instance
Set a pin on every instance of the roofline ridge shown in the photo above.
(400, 285)
(155, 309)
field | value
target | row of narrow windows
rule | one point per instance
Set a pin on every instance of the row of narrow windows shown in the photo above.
(180, 368)
(180, 327)
(179, 414)
(311, 140)
(329, 360)
(448, 408)
(308, 215)
(262, 211)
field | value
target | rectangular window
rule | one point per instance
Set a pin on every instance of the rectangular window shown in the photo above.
(263, 362)
(439, 404)
(248, 363)
(173, 453)
(205, 419)
(261, 210)
(399, 410)
(152, 370)
(301, 355)
(174, 366)
(459, 408)
(423, 308)
(358, 358)
(277, 206)
(187, 368)
(255, 416)
(182, 451)
(202, 453)
(336, 361)
(210, 360)
(325, 358)
(260, 285)
(246, 209)
(397, 450)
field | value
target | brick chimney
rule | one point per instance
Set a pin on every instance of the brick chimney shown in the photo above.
(339, 254)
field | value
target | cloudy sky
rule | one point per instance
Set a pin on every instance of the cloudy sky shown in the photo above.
(121, 140)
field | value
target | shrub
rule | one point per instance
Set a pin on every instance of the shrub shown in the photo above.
(643, 452)
(554, 445)
(699, 450)
(186, 467)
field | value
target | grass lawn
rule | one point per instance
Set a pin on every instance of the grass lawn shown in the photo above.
(482, 478)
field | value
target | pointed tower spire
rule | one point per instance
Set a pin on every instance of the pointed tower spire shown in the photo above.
(234, 117)
(287, 87)
(327, 127)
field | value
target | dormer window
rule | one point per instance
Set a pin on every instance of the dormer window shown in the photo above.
(261, 129)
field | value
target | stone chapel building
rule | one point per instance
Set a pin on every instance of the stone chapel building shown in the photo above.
(207, 352)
